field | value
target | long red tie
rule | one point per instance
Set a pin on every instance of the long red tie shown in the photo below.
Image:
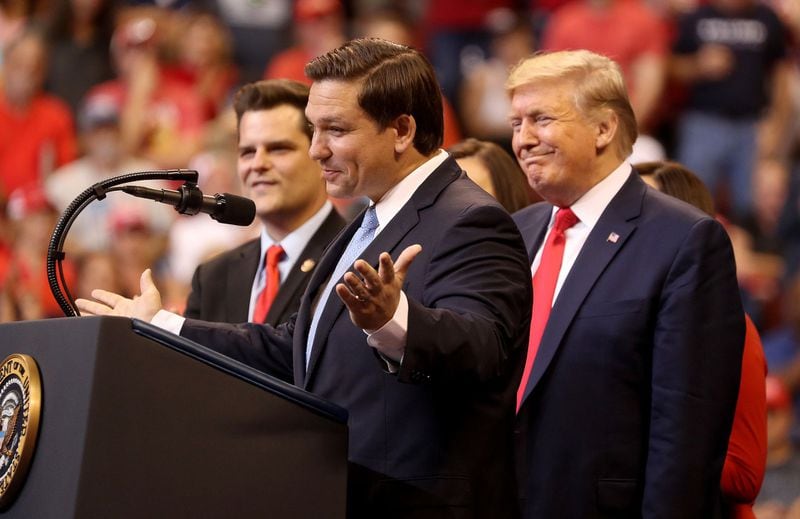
(267, 295)
(544, 287)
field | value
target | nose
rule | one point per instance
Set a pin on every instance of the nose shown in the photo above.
(524, 136)
(528, 132)
(319, 149)
(261, 159)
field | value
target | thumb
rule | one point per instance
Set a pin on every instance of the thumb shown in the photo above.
(146, 282)
(406, 258)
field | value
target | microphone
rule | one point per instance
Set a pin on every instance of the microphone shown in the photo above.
(224, 208)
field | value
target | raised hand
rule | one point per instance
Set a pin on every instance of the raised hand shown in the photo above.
(372, 297)
(143, 306)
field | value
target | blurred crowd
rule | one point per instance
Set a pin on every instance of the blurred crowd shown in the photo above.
(91, 89)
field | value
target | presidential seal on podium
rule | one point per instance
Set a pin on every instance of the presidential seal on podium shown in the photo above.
(20, 405)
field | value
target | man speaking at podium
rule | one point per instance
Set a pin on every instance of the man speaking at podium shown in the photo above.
(421, 339)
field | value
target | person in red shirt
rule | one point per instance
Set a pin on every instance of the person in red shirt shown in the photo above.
(37, 133)
(161, 119)
(627, 31)
(319, 27)
(31, 218)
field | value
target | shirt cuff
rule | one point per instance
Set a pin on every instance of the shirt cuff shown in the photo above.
(168, 321)
(390, 339)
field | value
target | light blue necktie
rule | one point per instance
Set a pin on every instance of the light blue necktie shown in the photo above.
(362, 237)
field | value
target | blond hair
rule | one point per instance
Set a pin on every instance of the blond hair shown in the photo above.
(598, 85)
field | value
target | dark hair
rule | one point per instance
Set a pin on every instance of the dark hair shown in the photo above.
(676, 180)
(270, 93)
(508, 180)
(397, 80)
(59, 27)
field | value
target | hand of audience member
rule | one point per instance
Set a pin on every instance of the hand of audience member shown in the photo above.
(372, 297)
(143, 306)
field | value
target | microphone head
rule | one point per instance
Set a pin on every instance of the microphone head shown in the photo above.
(234, 209)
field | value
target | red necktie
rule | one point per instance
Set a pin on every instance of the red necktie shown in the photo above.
(267, 295)
(544, 287)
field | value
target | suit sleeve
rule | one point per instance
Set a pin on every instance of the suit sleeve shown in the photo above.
(263, 347)
(470, 321)
(193, 305)
(696, 363)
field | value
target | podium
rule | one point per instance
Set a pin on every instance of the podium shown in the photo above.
(136, 422)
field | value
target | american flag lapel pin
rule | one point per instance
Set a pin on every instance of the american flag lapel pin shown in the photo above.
(613, 237)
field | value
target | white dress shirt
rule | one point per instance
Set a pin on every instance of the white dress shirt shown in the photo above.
(588, 208)
(293, 245)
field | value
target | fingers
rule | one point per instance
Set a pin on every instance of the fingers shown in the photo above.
(350, 300)
(92, 307)
(109, 299)
(369, 277)
(143, 306)
(354, 285)
(385, 268)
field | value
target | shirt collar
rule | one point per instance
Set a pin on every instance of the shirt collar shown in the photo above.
(394, 199)
(295, 242)
(589, 208)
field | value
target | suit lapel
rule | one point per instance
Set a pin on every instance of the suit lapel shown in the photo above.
(388, 239)
(304, 267)
(319, 277)
(240, 281)
(535, 227)
(287, 291)
(599, 250)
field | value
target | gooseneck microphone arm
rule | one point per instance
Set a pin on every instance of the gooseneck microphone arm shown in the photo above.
(55, 252)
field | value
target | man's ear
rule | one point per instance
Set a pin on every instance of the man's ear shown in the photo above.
(606, 129)
(405, 128)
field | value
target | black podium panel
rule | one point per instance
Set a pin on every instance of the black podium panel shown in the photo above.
(140, 423)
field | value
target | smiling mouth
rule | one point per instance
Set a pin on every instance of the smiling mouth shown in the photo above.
(533, 160)
(262, 184)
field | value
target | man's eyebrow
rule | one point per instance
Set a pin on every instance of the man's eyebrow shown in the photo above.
(328, 119)
(279, 142)
(269, 144)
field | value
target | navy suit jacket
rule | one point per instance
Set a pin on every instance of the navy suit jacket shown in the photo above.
(631, 398)
(435, 439)
(221, 286)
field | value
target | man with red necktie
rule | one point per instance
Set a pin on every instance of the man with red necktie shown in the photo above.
(262, 280)
(630, 385)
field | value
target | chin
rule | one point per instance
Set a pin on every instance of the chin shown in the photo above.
(338, 191)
